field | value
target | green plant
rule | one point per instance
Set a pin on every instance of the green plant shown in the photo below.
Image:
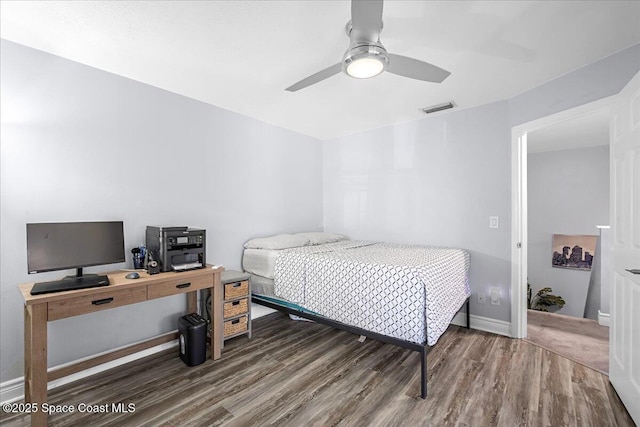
(543, 300)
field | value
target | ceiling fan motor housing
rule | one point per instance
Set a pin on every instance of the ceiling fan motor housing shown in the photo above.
(371, 51)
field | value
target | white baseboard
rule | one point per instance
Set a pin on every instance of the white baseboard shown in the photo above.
(13, 390)
(603, 319)
(499, 327)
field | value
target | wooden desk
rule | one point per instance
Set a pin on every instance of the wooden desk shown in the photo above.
(40, 309)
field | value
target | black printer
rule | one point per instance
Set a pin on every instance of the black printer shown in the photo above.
(177, 248)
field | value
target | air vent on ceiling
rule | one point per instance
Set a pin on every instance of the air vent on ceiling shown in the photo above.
(439, 107)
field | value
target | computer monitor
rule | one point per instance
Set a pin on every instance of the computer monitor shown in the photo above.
(67, 245)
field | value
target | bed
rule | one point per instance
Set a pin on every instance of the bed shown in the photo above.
(406, 295)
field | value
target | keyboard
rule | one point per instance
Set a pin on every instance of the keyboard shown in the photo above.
(83, 282)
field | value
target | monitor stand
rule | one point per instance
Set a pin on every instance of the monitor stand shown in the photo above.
(78, 274)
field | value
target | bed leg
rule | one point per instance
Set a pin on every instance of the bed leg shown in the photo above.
(423, 372)
(468, 314)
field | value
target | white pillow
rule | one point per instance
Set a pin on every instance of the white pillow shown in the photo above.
(280, 241)
(320, 237)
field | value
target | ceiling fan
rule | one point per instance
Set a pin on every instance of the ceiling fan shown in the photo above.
(367, 57)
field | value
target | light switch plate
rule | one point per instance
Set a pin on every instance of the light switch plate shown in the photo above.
(495, 296)
(494, 222)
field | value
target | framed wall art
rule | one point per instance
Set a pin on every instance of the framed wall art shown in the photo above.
(573, 251)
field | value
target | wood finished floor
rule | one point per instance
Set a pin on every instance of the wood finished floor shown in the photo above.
(303, 374)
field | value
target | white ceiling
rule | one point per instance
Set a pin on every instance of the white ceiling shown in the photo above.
(589, 130)
(241, 55)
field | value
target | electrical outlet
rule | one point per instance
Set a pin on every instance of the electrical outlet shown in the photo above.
(482, 298)
(495, 296)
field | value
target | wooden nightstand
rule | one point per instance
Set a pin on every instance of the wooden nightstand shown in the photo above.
(236, 304)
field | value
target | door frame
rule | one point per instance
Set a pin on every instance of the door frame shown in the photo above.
(519, 223)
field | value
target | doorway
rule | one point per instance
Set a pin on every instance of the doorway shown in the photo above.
(568, 186)
(520, 239)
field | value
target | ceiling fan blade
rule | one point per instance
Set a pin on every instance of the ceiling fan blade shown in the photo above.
(415, 69)
(317, 77)
(366, 19)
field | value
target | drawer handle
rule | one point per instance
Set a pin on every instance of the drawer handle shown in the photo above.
(184, 285)
(236, 285)
(102, 301)
(235, 321)
(235, 303)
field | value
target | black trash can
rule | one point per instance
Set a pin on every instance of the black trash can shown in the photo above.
(192, 329)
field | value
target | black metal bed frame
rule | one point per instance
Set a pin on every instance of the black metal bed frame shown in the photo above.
(423, 349)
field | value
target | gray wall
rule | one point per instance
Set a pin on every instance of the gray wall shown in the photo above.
(82, 144)
(568, 193)
(595, 81)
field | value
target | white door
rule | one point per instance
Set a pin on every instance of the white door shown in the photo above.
(624, 334)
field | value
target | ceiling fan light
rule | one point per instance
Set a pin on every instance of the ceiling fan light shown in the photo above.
(363, 61)
(365, 67)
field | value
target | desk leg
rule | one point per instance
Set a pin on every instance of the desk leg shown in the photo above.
(192, 302)
(35, 360)
(216, 318)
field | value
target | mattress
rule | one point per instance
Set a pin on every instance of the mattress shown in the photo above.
(407, 292)
(261, 262)
(262, 286)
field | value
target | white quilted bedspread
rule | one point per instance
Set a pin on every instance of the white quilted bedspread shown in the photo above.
(407, 292)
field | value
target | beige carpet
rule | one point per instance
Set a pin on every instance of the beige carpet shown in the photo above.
(581, 340)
